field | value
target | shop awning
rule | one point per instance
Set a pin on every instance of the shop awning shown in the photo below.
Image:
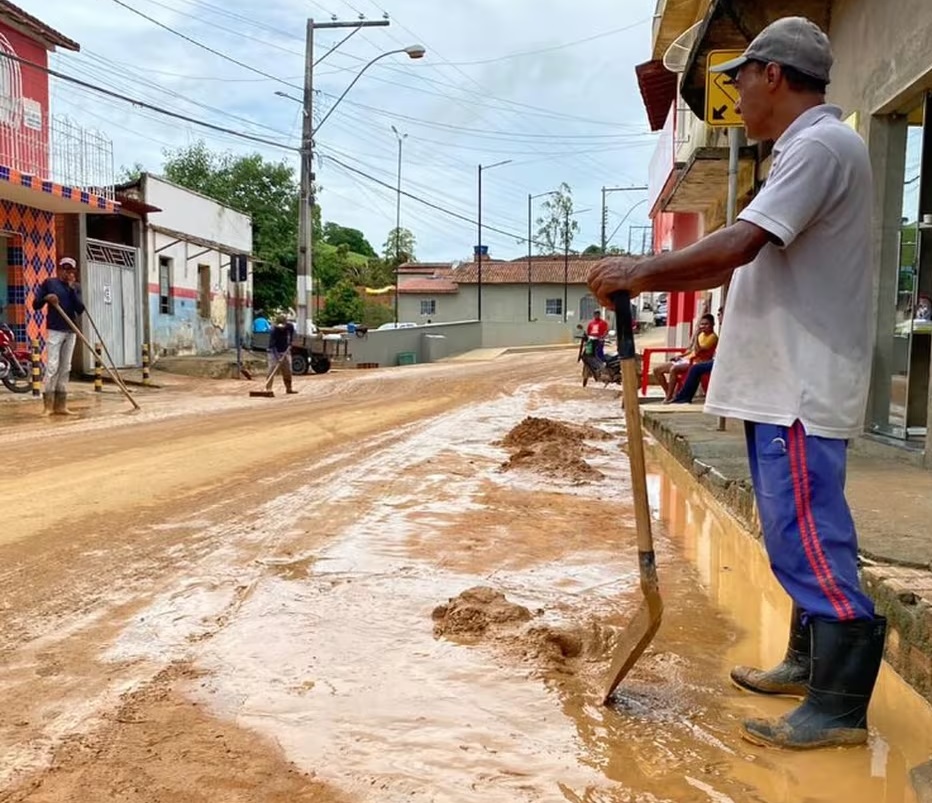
(731, 25)
(21, 188)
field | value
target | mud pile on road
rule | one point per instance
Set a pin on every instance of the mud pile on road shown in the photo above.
(552, 448)
(483, 614)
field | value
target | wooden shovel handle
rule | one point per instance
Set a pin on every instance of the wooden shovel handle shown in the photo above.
(629, 389)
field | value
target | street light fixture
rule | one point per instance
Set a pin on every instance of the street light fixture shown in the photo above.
(529, 199)
(566, 256)
(401, 138)
(479, 243)
(309, 130)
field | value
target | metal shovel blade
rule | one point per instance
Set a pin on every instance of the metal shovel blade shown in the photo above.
(642, 629)
(634, 640)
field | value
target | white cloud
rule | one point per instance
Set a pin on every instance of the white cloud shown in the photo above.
(455, 116)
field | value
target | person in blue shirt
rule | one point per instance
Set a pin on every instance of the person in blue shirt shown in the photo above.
(62, 294)
(260, 323)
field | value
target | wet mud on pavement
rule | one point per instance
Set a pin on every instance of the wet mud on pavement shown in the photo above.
(427, 614)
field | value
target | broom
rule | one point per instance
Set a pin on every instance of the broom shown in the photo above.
(268, 393)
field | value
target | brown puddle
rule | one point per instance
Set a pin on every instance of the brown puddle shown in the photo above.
(734, 569)
(438, 630)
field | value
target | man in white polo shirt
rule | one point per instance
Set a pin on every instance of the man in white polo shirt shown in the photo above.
(794, 367)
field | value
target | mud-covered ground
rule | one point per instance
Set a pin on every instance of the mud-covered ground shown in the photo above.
(402, 585)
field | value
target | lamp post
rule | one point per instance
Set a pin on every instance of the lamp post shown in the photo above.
(529, 199)
(566, 256)
(401, 138)
(479, 243)
(308, 131)
(606, 190)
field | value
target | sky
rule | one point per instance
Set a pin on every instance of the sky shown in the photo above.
(548, 85)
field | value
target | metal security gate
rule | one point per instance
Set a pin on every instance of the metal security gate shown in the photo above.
(111, 296)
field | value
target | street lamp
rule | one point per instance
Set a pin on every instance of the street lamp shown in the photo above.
(566, 256)
(308, 132)
(401, 138)
(479, 243)
(529, 199)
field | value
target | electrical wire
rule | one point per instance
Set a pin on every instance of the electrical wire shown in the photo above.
(209, 49)
(136, 102)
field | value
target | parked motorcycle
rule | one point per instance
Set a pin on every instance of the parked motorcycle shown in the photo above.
(15, 364)
(607, 371)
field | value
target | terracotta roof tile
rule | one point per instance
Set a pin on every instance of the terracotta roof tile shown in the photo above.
(543, 271)
(421, 285)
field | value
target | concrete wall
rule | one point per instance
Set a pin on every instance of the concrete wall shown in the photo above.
(881, 54)
(504, 303)
(882, 68)
(191, 328)
(383, 347)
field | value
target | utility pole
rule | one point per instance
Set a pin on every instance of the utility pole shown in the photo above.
(529, 313)
(606, 190)
(479, 239)
(306, 191)
(401, 139)
(306, 205)
(566, 261)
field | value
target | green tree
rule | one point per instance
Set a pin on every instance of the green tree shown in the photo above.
(266, 191)
(596, 250)
(375, 314)
(335, 234)
(399, 247)
(128, 175)
(342, 305)
(557, 226)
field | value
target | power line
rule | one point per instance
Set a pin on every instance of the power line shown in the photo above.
(152, 107)
(520, 237)
(550, 49)
(206, 47)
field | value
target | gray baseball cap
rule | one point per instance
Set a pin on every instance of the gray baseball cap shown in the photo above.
(791, 41)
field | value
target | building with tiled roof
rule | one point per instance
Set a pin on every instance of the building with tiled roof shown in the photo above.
(545, 289)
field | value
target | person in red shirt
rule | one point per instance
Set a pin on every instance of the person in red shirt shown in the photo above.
(597, 329)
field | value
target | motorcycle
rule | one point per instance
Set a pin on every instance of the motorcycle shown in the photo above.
(15, 364)
(607, 371)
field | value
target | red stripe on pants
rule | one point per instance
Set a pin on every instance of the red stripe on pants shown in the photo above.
(807, 527)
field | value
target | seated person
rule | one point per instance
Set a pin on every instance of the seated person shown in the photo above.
(597, 329)
(702, 349)
(694, 377)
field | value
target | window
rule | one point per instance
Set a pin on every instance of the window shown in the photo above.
(587, 306)
(203, 290)
(554, 306)
(429, 306)
(166, 301)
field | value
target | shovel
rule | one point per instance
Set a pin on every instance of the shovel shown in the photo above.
(642, 629)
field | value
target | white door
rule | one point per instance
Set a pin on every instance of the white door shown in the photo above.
(111, 298)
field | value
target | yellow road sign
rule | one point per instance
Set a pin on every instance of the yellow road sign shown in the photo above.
(721, 94)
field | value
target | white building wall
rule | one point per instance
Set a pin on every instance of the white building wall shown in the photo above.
(189, 327)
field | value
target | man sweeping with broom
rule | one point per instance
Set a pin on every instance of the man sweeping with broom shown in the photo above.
(61, 293)
(794, 368)
(280, 339)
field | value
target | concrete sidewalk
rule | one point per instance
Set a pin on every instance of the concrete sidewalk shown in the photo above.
(890, 497)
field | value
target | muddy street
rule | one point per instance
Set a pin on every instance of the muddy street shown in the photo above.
(397, 585)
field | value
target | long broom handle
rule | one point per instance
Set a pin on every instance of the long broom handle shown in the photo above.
(100, 340)
(85, 341)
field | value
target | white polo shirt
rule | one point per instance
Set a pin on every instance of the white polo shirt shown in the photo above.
(798, 325)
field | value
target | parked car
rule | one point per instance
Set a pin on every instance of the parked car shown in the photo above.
(399, 325)
(660, 314)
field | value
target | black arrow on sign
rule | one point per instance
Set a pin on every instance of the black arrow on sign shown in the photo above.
(719, 113)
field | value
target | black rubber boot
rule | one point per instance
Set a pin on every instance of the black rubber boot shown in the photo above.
(846, 658)
(790, 676)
